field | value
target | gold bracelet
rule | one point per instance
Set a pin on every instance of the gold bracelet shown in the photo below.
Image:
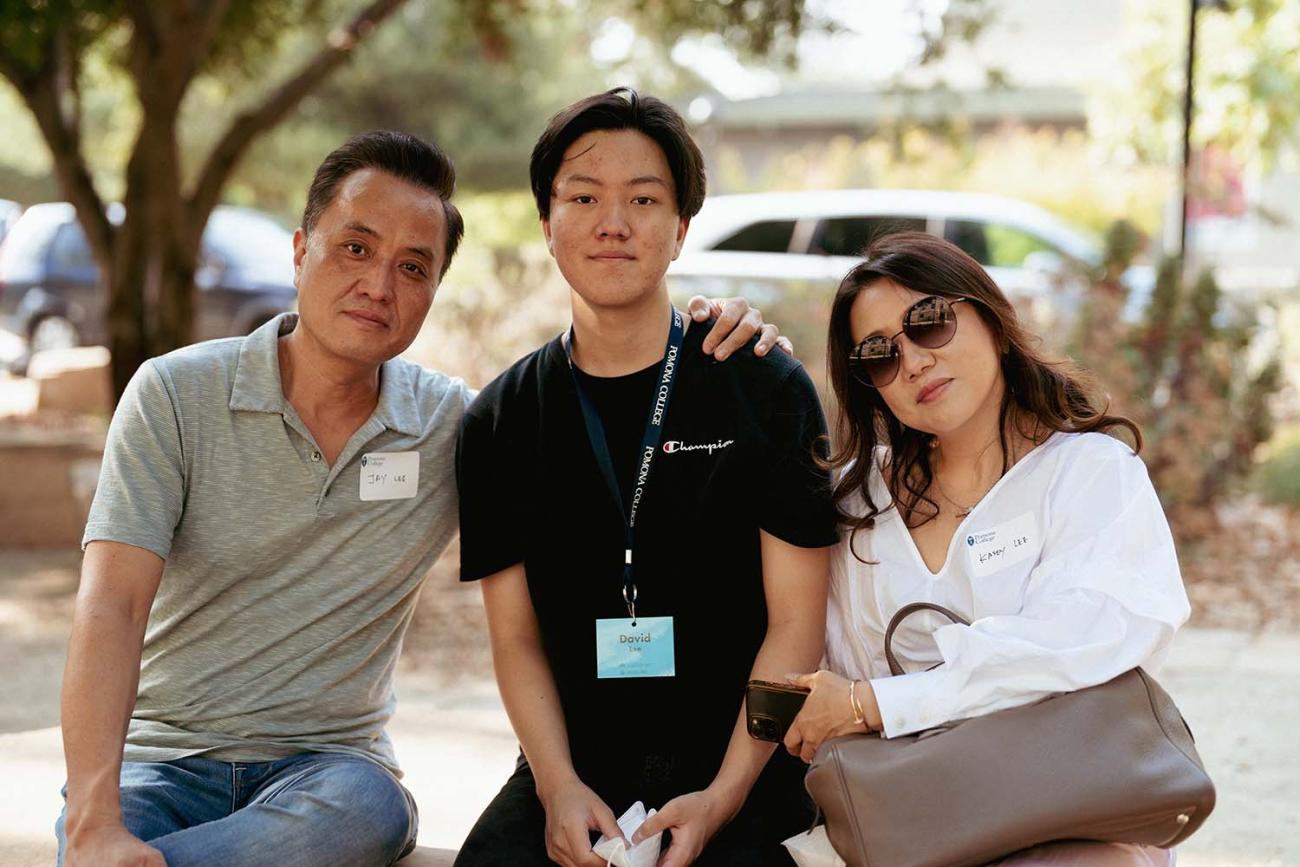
(859, 718)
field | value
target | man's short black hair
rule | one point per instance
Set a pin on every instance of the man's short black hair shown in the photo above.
(618, 109)
(400, 155)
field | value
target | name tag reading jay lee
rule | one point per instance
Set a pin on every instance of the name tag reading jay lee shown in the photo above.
(390, 475)
(643, 650)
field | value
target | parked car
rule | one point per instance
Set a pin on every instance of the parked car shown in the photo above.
(51, 292)
(9, 212)
(767, 245)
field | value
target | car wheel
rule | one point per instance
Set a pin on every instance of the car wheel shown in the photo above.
(53, 332)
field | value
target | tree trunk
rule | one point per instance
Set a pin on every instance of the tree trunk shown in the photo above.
(128, 342)
(176, 296)
(142, 309)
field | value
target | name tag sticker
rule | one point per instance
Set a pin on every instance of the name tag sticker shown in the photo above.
(390, 475)
(643, 650)
(1004, 545)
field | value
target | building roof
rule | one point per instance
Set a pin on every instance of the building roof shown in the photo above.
(822, 108)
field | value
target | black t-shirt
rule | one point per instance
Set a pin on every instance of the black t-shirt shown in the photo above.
(737, 456)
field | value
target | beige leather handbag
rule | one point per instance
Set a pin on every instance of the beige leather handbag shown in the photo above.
(1114, 762)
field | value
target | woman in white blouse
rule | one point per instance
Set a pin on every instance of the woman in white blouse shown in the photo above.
(976, 473)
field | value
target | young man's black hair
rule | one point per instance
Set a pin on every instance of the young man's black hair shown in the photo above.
(399, 154)
(620, 108)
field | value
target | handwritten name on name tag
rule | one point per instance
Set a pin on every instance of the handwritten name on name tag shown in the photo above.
(390, 475)
(1008, 543)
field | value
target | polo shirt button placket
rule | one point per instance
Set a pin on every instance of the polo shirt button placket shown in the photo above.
(315, 455)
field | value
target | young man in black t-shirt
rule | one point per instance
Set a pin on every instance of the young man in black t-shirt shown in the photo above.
(649, 526)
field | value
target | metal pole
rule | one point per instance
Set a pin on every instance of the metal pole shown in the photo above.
(1188, 103)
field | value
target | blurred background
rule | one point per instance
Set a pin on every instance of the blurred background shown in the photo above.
(1127, 170)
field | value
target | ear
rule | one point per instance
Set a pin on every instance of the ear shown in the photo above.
(546, 233)
(683, 223)
(299, 253)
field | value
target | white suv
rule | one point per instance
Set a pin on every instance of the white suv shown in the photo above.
(768, 246)
(9, 212)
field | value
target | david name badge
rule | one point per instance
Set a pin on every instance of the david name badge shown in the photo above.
(641, 650)
(1005, 545)
(390, 475)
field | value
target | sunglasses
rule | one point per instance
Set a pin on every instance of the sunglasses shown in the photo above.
(929, 323)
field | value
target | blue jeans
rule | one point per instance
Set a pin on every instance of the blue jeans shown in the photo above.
(314, 809)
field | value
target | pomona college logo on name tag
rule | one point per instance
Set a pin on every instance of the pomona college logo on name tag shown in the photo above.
(390, 475)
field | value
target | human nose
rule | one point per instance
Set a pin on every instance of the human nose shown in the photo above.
(378, 282)
(913, 360)
(613, 222)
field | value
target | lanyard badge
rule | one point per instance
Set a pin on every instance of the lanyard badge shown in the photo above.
(650, 440)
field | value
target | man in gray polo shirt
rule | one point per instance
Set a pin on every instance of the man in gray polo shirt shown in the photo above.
(267, 509)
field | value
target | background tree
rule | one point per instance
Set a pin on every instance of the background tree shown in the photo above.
(1247, 75)
(163, 47)
(170, 50)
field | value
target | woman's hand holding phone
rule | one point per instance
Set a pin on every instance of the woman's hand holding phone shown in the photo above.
(828, 712)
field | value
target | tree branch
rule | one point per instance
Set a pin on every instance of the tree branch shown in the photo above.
(249, 124)
(57, 115)
(147, 25)
(210, 17)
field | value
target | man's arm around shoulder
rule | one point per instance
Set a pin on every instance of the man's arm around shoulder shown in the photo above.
(118, 584)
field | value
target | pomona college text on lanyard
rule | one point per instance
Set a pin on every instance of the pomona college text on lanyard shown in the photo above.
(632, 647)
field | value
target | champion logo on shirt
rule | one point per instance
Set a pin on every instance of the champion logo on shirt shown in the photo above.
(673, 446)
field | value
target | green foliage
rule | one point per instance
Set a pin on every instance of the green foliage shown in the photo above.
(1247, 75)
(30, 28)
(1277, 477)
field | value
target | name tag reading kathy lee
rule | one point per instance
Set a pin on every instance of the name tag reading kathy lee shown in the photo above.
(390, 475)
(643, 650)
(1006, 544)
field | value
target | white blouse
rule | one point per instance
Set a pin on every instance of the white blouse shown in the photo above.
(1066, 570)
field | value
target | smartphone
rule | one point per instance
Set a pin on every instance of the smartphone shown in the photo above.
(770, 708)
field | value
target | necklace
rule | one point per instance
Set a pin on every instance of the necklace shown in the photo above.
(962, 511)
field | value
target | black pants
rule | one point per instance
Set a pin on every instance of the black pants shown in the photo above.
(512, 830)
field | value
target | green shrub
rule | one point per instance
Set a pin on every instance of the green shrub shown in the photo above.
(1277, 476)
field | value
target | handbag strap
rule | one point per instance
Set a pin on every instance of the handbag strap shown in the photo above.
(902, 614)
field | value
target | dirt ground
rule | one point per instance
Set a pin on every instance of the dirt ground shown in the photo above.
(1245, 574)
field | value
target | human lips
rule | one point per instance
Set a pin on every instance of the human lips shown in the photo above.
(368, 318)
(612, 256)
(932, 390)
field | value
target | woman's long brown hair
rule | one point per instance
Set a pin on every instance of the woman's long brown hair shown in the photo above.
(1050, 393)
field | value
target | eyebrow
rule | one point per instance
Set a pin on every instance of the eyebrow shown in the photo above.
(363, 229)
(588, 179)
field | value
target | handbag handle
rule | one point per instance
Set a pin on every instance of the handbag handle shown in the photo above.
(902, 614)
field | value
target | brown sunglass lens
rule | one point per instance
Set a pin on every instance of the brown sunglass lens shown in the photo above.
(930, 323)
(875, 361)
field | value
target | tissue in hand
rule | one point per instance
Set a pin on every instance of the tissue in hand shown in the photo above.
(644, 854)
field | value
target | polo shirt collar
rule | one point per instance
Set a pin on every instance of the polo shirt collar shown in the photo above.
(257, 386)
(257, 374)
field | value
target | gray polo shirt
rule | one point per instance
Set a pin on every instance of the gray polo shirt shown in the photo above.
(285, 594)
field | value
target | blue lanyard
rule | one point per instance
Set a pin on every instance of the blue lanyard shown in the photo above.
(649, 442)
